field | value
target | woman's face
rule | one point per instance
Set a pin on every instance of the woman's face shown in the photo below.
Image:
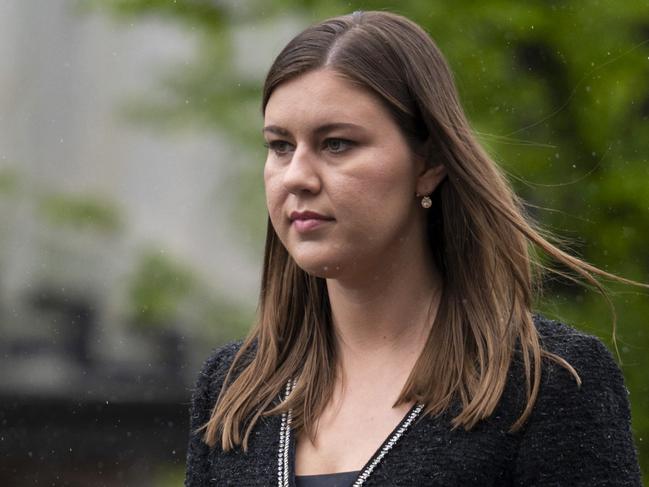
(340, 176)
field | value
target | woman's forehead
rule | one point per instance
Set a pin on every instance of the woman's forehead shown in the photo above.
(322, 97)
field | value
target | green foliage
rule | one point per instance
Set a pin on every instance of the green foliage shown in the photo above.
(9, 181)
(557, 92)
(204, 12)
(80, 212)
(163, 291)
(158, 286)
(223, 321)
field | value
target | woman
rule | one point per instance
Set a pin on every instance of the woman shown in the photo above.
(395, 343)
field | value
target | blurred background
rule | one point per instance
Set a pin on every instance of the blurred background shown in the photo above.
(132, 214)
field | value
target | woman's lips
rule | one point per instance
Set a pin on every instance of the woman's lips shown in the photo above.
(306, 225)
(306, 221)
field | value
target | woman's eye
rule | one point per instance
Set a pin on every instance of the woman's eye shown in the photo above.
(337, 145)
(279, 147)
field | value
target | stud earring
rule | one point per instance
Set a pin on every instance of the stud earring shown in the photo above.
(426, 202)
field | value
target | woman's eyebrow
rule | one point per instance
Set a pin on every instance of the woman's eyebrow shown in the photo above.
(274, 129)
(334, 126)
(328, 127)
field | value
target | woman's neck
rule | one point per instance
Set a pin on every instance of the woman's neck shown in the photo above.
(384, 320)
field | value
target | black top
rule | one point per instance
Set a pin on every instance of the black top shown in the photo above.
(575, 436)
(342, 479)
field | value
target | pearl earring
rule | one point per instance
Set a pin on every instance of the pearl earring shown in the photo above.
(426, 202)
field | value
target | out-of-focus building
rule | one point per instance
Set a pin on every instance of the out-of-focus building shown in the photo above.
(86, 396)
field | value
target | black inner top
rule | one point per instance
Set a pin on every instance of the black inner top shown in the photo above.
(341, 479)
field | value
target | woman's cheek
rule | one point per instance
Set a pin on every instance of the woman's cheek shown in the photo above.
(275, 213)
(274, 195)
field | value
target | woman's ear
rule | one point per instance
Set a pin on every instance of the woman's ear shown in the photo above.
(430, 179)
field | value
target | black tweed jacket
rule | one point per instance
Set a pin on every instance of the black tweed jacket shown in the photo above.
(576, 436)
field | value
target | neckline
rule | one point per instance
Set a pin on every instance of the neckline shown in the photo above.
(387, 444)
(327, 475)
(286, 453)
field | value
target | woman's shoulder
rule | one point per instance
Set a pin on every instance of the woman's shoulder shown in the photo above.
(220, 358)
(597, 391)
(218, 362)
(214, 371)
(584, 352)
(596, 379)
(579, 431)
(566, 340)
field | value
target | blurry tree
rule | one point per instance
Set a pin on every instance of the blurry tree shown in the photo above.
(164, 292)
(157, 287)
(80, 211)
(8, 181)
(556, 90)
(9, 186)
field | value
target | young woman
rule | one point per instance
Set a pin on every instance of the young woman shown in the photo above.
(395, 343)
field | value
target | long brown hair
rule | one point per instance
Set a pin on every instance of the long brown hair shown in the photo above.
(484, 245)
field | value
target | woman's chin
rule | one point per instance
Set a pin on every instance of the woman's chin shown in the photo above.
(319, 268)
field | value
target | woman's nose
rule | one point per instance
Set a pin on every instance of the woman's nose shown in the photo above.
(301, 173)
